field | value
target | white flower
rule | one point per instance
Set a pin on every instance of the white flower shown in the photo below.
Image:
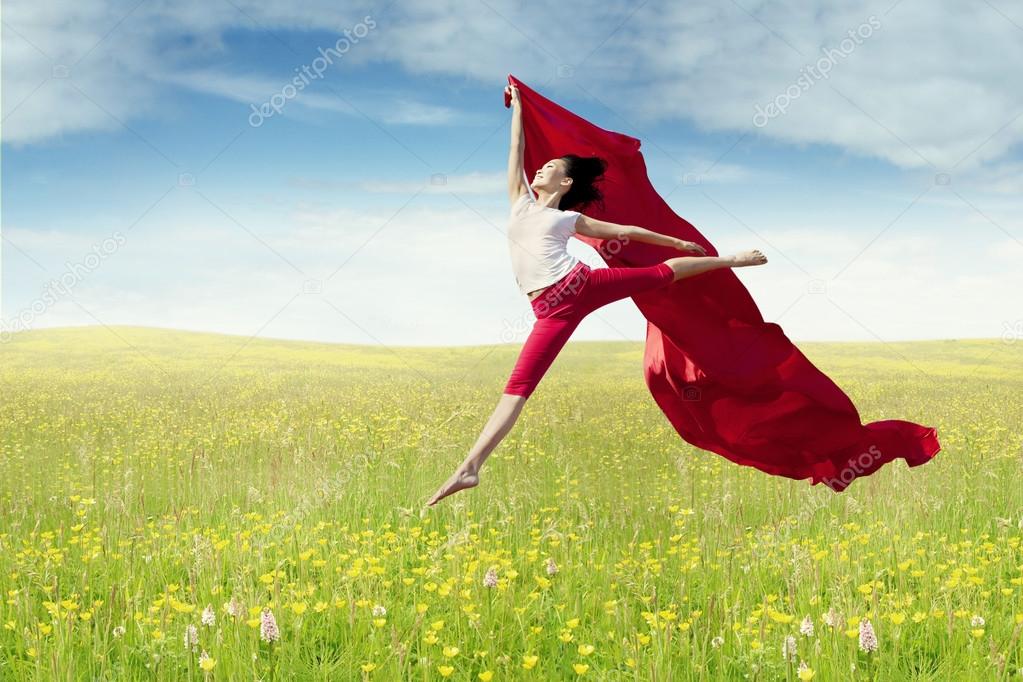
(806, 627)
(234, 608)
(268, 630)
(977, 622)
(119, 631)
(490, 579)
(379, 611)
(868, 641)
(191, 637)
(208, 617)
(552, 567)
(717, 642)
(788, 648)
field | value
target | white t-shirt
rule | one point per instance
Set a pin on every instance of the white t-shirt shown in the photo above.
(537, 240)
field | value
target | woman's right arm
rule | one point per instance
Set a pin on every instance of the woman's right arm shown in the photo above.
(516, 185)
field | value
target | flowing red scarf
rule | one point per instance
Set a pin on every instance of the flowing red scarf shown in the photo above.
(727, 381)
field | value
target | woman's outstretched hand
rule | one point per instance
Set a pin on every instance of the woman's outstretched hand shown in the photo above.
(683, 245)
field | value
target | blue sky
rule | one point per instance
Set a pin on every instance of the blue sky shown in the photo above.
(886, 195)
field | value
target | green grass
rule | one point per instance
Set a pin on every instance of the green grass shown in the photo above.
(148, 473)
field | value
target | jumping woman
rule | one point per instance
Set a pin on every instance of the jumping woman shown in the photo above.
(562, 289)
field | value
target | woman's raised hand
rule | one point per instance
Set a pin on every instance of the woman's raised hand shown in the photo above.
(513, 91)
(683, 245)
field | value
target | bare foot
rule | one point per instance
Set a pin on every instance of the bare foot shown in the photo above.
(745, 258)
(460, 480)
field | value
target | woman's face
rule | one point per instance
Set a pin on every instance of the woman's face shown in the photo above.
(551, 177)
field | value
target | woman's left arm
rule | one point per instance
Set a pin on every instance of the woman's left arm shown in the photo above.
(600, 229)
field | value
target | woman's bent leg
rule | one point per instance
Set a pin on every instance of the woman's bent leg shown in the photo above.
(606, 285)
(548, 336)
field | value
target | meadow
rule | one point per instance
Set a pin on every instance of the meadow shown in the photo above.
(189, 506)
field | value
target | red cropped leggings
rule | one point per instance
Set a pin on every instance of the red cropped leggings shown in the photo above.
(561, 308)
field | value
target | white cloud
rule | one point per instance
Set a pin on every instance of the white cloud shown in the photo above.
(931, 84)
(438, 273)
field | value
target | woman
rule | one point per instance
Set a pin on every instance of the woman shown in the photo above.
(562, 289)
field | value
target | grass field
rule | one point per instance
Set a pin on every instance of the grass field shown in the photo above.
(164, 493)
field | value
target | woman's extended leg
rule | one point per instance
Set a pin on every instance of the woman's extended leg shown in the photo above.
(545, 341)
(687, 266)
(606, 285)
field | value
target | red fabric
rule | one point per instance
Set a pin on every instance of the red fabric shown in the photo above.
(726, 380)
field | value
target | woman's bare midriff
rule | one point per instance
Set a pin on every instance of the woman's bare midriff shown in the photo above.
(534, 294)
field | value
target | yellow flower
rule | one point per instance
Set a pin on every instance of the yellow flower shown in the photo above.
(207, 664)
(580, 668)
(486, 675)
(528, 662)
(572, 622)
(897, 618)
(806, 674)
(182, 607)
(379, 622)
(451, 651)
(368, 667)
(299, 608)
(977, 632)
(585, 649)
(437, 625)
(445, 670)
(565, 636)
(157, 634)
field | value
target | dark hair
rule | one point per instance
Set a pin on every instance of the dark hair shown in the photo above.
(584, 171)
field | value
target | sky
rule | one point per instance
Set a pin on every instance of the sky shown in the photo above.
(336, 171)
